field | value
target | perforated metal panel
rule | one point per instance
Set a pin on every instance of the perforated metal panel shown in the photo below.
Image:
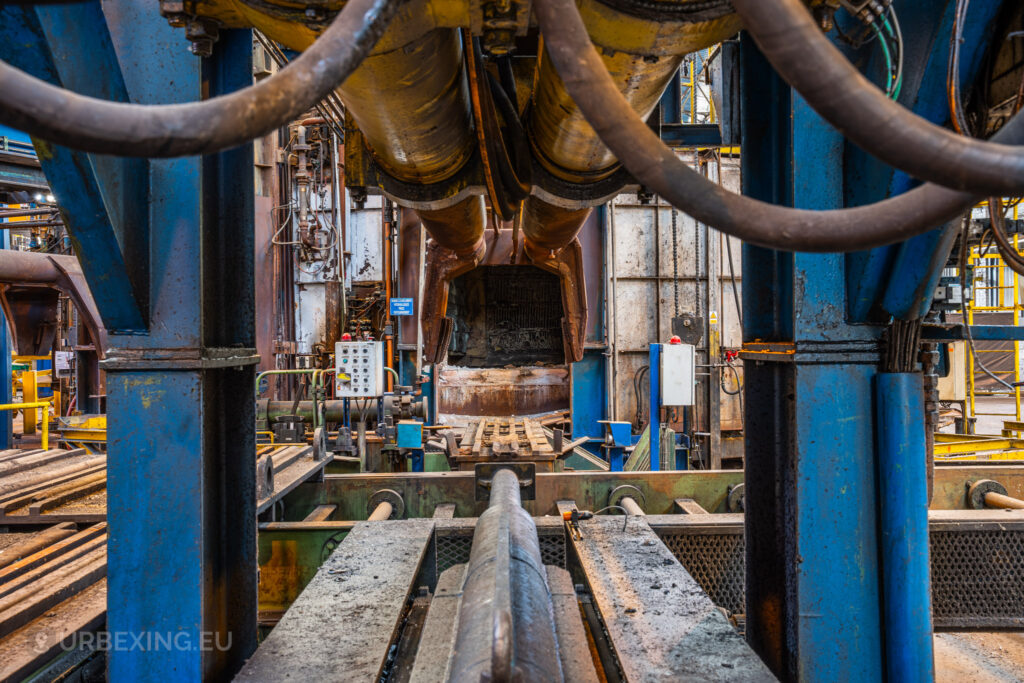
(716, 562)
(978, 578)
(977, 571)
(452, 549)
(453, 545)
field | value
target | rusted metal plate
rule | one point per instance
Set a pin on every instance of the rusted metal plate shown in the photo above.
(662, 626)
(341, 627)
(502, 391)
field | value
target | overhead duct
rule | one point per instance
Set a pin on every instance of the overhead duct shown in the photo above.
(641, 45)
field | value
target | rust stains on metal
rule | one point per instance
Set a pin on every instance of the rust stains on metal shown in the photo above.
(502, 391)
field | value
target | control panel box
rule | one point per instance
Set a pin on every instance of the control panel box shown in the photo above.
(678, 374)
(360, 369)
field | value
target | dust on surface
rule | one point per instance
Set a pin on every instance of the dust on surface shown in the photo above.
(980, 657)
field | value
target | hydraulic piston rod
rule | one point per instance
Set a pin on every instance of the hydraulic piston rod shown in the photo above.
(506, 627)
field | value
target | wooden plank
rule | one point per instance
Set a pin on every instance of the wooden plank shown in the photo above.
(341, 626)
(688, 506)
(321, 513)
(662, 626)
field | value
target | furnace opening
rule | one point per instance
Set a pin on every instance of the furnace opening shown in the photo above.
(505, 315)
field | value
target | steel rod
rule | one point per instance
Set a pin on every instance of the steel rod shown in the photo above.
(632, 507)
(381, 512)
(998, 500)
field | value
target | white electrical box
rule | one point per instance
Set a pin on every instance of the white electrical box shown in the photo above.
(360, 369)
(678, 374)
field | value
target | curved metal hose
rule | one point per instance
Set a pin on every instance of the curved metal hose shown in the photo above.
(814, 67)
(174, 130)
(660, 170)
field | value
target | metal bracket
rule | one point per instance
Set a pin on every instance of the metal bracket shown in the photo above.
(737, 500)
(624, 491)
(976, 492)
(526, 472)
(387, 496)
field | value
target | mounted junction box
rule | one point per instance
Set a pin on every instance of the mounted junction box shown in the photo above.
(360, 369)
(678, 374)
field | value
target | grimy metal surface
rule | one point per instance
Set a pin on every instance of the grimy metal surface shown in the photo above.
(341, 627)
(506, 627)
(660, 622)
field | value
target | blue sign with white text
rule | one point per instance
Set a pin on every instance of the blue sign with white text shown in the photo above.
(401, 306)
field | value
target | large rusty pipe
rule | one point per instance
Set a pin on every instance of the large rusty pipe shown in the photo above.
(412, 105)
(410, 99)
(459, 227)
(641, 51)
(505, 622)
(334, 409)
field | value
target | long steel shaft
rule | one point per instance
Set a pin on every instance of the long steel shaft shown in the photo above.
(506, 627)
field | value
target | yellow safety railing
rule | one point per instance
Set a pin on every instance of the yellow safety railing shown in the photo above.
(1006, 281)
(35, 404)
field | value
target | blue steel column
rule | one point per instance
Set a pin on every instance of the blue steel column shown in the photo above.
(902, 479)
(812, 578)
(181, 494)
(654, 430)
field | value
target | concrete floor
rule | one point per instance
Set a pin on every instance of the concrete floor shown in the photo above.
(979, 657)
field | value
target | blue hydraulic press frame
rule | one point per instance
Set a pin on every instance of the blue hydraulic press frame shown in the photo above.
(167, 247)
(819, 519)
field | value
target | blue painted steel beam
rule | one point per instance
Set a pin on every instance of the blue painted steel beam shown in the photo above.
(654, 430)
(587, 393)
(899, 280)
(181, 489)
(955, 331)
(810, 513)
(691, 134)
(49, 42)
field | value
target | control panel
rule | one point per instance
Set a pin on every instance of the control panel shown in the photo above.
(360, 369)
